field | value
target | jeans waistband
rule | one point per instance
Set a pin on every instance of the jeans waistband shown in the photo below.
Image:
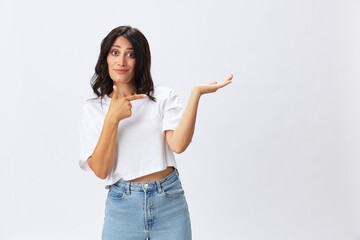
(149, 186)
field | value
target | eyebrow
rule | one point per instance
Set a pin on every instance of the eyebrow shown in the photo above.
(130, 48)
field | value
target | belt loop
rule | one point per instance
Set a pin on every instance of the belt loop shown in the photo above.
(127, 187)
(159, 187)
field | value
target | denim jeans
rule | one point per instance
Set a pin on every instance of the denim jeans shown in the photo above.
(152, 210)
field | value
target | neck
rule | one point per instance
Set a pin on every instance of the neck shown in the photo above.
(126, 89)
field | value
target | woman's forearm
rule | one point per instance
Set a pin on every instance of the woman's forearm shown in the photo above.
(181, 137)
(103, 157)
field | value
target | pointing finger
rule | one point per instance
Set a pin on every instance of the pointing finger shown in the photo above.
(136, 96)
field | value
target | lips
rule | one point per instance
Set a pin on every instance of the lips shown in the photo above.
(120, 71)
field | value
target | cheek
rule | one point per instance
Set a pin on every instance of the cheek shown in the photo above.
(133, 65)
(108, 61)
(109, 64)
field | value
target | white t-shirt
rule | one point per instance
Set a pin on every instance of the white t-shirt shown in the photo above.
(142, 148)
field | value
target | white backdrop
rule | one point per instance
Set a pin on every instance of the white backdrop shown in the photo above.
(275, 154)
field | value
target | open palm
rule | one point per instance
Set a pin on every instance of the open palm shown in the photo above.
(214, 86)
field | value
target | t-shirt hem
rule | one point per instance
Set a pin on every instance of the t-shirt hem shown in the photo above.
(139, 174)
(84, 165)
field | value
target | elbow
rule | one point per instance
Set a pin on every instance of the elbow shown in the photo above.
(178, 149)
(101, 173)
(177, 145)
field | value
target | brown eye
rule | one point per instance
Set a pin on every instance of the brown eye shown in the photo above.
(114, 52)
(130, 55)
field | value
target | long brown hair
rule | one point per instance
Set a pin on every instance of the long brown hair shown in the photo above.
(101, 82)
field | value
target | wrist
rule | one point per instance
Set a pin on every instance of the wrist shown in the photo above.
(111, 120)
(196, 91)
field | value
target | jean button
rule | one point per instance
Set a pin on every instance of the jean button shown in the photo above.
(146, 185)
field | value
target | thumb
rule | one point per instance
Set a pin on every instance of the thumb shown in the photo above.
(115, 93)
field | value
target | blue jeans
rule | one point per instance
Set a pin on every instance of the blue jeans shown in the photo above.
(152, 210)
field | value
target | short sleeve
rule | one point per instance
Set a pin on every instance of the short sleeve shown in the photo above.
(172, 112)
(89, 134)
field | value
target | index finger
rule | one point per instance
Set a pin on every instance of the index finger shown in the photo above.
(134, 97)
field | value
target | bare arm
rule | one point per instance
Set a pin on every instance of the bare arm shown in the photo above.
(103, 158)
(180, 138)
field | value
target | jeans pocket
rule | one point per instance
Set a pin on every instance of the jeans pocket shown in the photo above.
(173, 190)
(116, 193)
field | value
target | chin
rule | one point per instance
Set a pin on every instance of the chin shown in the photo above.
(122, 81)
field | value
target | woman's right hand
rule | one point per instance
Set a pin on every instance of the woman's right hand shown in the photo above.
(120, 107)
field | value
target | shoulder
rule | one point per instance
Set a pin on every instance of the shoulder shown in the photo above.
(96, 102)
(94, 105)
(163, 93)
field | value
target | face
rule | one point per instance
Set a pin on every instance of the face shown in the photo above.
(121, 61)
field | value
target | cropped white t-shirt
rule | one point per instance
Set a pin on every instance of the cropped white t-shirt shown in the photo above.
(142, 148)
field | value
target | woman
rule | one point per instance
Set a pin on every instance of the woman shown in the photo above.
(128, 135)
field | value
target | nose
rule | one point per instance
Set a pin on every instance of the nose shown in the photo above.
(121, 60)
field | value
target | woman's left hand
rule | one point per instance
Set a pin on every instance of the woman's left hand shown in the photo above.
(213, 86)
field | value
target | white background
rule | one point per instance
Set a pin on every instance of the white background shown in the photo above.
(275, 154)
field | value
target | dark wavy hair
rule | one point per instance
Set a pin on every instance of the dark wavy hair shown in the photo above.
(101, 82)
